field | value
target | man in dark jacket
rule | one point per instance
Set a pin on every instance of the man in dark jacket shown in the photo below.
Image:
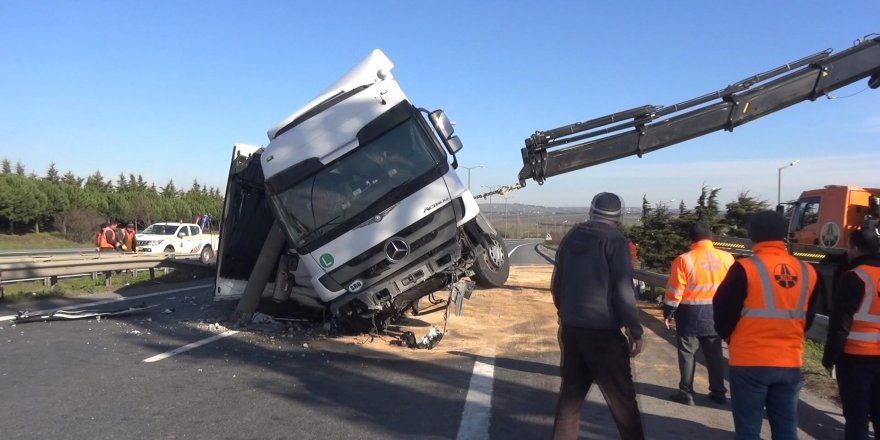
(853, 342)
(593, 293)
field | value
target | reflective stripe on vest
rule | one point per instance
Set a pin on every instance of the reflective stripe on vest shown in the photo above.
(770, 310)
(692, 286)
(864, 326)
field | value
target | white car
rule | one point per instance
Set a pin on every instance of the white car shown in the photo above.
(177, 238)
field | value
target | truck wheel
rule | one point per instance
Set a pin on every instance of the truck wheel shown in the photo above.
(169, 249)
(491, 266)
(206, 255)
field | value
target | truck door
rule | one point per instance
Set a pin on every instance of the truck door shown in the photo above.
(245, 223)
(805, 221)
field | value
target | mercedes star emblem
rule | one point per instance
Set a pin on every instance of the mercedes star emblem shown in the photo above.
(396, 249)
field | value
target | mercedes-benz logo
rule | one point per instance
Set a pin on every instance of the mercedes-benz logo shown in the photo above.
(396, 249)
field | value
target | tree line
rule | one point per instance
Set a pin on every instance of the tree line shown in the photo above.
(75, 206)
(662, 233)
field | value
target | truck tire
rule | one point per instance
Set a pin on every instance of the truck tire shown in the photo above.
(206, 255)
(491, 265)
(169, 249)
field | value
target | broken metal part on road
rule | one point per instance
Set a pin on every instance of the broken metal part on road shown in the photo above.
(68, 315)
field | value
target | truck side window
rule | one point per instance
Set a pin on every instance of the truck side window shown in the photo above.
(183, 230)
(194, 230)
(806, 213)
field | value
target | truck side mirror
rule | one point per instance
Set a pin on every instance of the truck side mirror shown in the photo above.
(442, 124)
(181, 235)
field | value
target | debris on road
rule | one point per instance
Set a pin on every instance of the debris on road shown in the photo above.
(68, 315)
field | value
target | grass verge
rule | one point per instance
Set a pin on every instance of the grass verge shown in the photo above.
(816, 379)
(43, 240)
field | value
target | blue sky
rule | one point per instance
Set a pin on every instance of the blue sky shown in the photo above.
(164, 88)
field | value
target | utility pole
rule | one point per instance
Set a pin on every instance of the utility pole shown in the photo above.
(779, 180)
(469, 173)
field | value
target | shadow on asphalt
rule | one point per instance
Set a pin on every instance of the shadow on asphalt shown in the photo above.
(811, 420)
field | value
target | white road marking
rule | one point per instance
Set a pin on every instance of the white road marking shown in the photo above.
(107, 301)
(514, 249)
(189, 346)
(476, 415)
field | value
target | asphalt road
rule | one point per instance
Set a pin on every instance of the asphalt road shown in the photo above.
(524, 252)
(88, 379)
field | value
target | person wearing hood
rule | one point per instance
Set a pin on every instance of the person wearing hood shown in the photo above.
(593, 293)
(762, 309)
(852, 346)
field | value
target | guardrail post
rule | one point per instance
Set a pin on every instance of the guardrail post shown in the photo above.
(94, 276)
(107, 275)
(152, 273)
(2, 294)
(53, 281)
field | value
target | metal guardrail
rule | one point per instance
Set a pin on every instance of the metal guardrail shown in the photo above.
(50, 268)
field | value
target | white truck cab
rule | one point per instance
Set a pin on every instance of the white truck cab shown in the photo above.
(373, 213)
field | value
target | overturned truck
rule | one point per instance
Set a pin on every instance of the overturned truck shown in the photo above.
(355, 208)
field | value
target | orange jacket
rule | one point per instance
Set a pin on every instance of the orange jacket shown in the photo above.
(695, 275)
(127, 238)
(864, 335)
(102, 241)
(770, 331)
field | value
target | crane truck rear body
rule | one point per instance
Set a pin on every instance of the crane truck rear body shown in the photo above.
(373, 213)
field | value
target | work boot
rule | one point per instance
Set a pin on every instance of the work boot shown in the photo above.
(682, 398)
(718, 398)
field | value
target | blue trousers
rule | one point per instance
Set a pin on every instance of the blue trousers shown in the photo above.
(752, 389)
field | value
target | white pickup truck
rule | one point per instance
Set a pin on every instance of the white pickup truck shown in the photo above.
(177, 238)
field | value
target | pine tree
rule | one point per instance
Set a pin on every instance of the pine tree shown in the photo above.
(6, 167)
(52, 173)
(19, 169)
(736, 218)
(169, 190)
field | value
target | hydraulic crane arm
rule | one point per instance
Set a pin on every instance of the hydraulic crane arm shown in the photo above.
(638, 131)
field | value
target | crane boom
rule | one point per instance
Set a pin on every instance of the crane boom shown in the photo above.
(640, 130)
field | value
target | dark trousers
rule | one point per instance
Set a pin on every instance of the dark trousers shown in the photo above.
(600, 356)
(754, 388)
(859, 384)
(712, 350)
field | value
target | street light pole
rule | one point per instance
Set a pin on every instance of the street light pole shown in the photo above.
(779, 180)
(469, 173)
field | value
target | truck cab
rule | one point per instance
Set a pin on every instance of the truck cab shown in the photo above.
(373, 213)
(826, 217)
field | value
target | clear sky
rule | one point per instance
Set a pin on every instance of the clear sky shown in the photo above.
(164, 88)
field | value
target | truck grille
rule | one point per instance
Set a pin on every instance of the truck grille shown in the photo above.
(423, 236)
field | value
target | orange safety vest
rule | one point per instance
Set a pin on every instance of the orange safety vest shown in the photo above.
(770, 331)
(864, 335)
(102, 239)
(695, 275)
(127, 239)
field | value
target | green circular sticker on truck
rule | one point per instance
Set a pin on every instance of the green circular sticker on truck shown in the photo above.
(326, 261)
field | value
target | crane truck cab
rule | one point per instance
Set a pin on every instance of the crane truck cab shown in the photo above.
(374, 215)
(827, 216)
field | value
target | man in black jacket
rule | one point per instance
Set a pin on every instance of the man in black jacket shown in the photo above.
(853, 341)
(593, 293)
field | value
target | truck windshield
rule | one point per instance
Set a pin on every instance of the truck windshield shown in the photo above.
(380, 171)
(160, 229)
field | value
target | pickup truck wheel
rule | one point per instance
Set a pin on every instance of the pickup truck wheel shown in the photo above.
(169, 249)
(206, 255)
(491, 266)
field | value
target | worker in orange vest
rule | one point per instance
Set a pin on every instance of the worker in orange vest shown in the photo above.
(853, 343)
(105, 239)
(762, 309)
(693, 280)
(127, 238)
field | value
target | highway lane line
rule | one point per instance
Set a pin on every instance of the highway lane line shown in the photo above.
(515, 248)
(477, 412)
(189, 346)
(108, 301)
